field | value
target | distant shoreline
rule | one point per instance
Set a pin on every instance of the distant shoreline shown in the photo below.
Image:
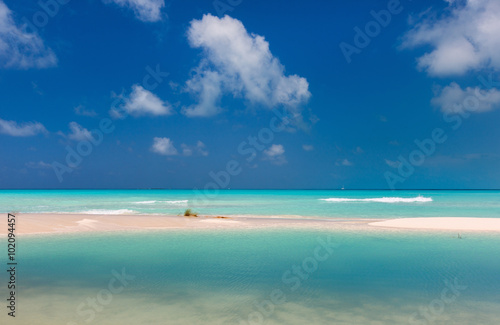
(51, 223)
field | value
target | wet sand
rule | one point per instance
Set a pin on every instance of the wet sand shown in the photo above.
(71, 223)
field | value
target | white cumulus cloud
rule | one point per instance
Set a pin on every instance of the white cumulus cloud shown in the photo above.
(238, 63)
(144, 10)
(454, 99)
(78, 132)
(14, 129)
(463, 38)
(20, 49)
(142, 102)
(275, 154)
(164, 146)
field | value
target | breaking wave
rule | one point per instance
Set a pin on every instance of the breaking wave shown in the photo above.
(382, 199)
(177, 202)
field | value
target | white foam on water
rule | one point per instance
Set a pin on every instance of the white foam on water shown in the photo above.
(382, 199)
(179, 202)
(175, 202)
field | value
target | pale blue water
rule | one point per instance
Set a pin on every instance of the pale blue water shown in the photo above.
(220, 277)
(309, 203)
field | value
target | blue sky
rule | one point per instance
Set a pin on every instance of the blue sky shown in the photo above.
(165, 94)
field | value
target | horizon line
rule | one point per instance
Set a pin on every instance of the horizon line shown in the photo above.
(261, 189)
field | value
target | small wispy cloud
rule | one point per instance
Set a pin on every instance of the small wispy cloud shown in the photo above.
(38, 165)
(447, 161)
(144, 10)
(36, 89)
(27, 129)
(391, 163)
(77, 132)
(81, 110)
(142, 102)
(308, 147)
(275, 154)
(165, 146)
(20, 49)
(199, 149)
(344, 162)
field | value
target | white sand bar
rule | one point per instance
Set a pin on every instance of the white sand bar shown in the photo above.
(71, 223)
(481, 224)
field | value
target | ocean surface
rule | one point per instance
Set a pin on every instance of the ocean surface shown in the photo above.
(299, 203)
(257, 276)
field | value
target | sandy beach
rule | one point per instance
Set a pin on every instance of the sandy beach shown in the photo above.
(73, 223)
(449, 223)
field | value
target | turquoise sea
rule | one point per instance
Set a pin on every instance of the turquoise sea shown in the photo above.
(258, 276)
(300, 203)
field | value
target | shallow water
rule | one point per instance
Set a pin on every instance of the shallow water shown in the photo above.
(231, 276)
(333, 204)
